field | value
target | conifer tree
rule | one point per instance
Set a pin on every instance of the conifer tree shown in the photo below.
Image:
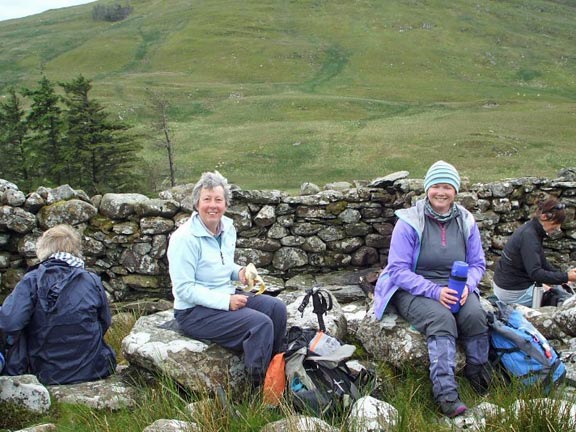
(101, 154)
(15, 161)
(45, 124)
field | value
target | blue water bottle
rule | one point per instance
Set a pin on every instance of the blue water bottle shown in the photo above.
(457, 281)
(1, 362)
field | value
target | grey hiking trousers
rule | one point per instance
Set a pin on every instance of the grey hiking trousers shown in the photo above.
(430, 318)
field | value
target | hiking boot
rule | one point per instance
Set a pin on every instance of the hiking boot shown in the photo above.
(479, 376)
(452, 408)
(442, 353)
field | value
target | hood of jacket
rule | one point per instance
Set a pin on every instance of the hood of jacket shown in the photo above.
(52, 276)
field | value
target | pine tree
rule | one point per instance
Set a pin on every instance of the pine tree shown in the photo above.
(45, 123)
(15, 163)
(102, 156)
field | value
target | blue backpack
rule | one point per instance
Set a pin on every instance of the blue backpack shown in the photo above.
(522, 351)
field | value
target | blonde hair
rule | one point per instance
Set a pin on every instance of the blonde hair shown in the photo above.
(61, 238)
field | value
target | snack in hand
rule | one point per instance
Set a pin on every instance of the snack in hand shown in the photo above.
(254, 278)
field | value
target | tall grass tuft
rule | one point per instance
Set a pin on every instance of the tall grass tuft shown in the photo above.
(122, 323)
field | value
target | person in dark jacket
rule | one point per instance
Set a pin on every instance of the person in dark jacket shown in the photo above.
(523, 265)
(56, 317)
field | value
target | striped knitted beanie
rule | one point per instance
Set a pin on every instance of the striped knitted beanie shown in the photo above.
(442, 172)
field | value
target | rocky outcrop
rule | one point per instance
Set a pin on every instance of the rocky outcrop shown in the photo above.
(171, 425)
(111, 393)
(299, 423)
(370, 414)
(156, 345)
(25, 391)
(393, 340)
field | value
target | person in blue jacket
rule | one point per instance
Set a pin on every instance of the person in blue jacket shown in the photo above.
(426, 240)
(55, 319)
(206, 303)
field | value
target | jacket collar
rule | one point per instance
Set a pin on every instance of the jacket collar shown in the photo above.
(539, 228)
(198, 229)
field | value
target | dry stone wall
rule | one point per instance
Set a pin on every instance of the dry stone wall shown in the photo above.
(337, 227)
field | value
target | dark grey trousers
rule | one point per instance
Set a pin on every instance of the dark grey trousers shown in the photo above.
(430, 318)
(258, 329)
(441, 328)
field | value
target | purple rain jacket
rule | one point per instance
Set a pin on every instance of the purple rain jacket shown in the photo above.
(57, 316)
(404, 253)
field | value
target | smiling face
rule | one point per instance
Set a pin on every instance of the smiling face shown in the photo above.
(211, 207)
(441, 197)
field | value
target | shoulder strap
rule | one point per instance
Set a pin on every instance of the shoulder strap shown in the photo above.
(321, 302)
(340, 380)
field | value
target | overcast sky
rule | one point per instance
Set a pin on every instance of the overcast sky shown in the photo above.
(20, 8)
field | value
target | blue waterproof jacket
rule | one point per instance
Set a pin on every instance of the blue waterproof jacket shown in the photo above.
(57, 316)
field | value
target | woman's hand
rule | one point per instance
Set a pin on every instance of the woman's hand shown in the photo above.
(464, 297)
(448, 297)
(237, 301)
(242, 276)
(572, 275)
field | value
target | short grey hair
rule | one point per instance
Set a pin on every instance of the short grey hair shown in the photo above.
(61, 238)
(210, 180)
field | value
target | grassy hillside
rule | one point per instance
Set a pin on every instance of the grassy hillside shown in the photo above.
(274, 93)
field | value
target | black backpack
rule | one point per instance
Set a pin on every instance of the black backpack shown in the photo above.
(557, 295)
(318, 379)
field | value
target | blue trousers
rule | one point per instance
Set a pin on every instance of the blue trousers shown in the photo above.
(258, 329)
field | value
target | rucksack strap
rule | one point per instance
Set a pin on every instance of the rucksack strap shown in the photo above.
(506, 350)
(321, 302)
(549, 380)
(340, 380)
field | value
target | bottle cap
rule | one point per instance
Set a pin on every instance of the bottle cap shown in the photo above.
(460, 269)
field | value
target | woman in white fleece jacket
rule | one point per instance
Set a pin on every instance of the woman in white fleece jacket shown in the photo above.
(202, 268)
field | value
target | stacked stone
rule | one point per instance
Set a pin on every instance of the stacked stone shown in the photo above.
(342, 226)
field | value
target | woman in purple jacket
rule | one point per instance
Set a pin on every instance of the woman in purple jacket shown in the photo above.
(426, 240)
(56, 317)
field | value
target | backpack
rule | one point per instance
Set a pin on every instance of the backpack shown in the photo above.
(318, 383)
(557, 295)
(521, 350)
(317, 377)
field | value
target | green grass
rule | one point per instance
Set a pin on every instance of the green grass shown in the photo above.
(409, 391)
(275, 93)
